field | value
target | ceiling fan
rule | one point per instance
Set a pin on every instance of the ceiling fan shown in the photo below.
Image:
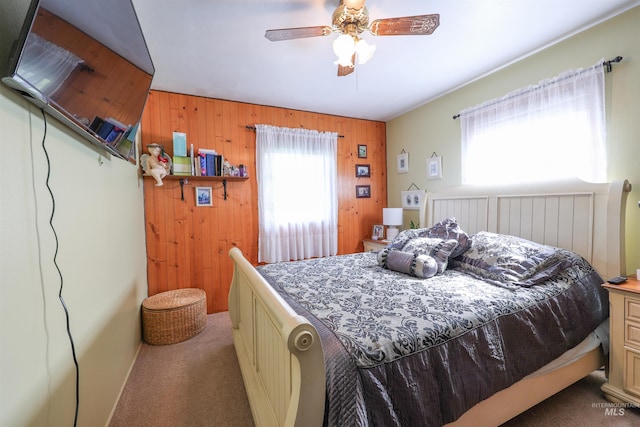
(350, 19)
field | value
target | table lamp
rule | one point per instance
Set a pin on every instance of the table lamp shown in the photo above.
(392, 217)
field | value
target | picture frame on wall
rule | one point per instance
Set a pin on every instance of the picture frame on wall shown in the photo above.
(363, 191)
(412, 199)
(403, 162)
(203, 196)
(363, 171)
(434, 167)
(362, 151)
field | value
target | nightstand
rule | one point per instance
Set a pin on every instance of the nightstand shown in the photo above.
(371, 245)
(624, 354)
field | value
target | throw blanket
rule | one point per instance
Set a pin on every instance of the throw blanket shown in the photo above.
(401, 351)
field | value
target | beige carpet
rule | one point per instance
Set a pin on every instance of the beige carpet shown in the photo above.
(198, 383)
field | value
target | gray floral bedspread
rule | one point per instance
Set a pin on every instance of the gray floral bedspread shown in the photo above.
(406, 351)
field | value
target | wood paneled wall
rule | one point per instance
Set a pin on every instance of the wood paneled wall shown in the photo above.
(187, 246)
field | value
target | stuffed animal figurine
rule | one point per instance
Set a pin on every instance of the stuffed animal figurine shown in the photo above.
(157, 163)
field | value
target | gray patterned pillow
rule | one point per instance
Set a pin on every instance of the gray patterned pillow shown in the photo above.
(449, 229)
(415, 264)
(439, 249)
(405, 235)
(510, 260)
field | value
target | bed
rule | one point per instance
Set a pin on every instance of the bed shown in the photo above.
(294, 362)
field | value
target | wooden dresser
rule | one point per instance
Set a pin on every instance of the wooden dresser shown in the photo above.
(374, 245)
(624, 357)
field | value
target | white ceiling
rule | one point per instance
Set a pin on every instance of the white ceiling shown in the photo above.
(217, 49)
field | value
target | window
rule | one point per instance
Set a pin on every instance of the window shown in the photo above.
(297, 198)
(552, 131)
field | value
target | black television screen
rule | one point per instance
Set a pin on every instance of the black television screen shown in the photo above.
(85, 62)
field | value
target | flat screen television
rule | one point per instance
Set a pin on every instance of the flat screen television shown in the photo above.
(84, 62)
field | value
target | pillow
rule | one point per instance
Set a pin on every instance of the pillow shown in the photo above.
(418, 265)
(405, 235)
(449, 229)
(438, 249)
(510, 260)
(445, 229)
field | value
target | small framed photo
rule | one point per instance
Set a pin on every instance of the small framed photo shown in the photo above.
(362, 151)
(434, 167)
(362, 171)
(378, 232)
(403, 162)
(203, 196)
(363, 191)
(412, 200)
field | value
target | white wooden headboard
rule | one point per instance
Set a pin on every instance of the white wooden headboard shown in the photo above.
(586, 218)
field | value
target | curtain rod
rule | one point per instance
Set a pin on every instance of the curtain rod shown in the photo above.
(254, 128)
(607, 64)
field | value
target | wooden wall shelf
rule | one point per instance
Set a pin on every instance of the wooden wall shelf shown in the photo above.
(184, 179)
(204, 178)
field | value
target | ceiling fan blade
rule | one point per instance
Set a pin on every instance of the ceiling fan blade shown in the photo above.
(345, 70)
(405, 26)
(297, 33)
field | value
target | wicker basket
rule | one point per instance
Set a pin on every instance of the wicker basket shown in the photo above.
(174, 316)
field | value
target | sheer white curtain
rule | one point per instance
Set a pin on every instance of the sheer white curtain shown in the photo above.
(551, 131)
(45, 64)
(297, 197)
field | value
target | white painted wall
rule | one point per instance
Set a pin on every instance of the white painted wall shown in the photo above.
(430, 128)
(99, 220)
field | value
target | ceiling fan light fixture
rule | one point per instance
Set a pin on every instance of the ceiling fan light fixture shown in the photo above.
(350, 19)
(364, 50)
(344, 46)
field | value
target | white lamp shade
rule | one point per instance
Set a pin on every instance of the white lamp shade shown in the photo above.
(364, 51)
(344, 47)
(392, 216)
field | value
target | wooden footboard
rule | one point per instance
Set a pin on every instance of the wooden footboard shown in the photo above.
(279, 352)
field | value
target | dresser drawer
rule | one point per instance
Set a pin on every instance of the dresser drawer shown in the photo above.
(632, 309)
(632, 372)
(632, 335)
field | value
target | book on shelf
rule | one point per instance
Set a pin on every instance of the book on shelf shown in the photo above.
(206, 165)
(181, 165)
(203, 164)
(193, 168)
(180, 144)
(219, 159)
(210, 164)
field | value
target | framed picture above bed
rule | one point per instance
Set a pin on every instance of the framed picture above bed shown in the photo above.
(403, 162)
(434, 167)
(412, 199)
